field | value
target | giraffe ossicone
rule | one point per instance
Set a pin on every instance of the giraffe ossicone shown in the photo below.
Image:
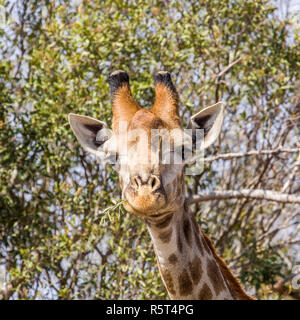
(150, 149)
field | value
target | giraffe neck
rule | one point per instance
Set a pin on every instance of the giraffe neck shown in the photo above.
(187, 261)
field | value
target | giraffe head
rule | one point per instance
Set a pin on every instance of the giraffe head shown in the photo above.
(148, 147)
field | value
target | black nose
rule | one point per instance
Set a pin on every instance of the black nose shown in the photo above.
(152, 183)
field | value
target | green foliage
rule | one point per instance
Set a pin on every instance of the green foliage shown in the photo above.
(266, 266)
(60, 234)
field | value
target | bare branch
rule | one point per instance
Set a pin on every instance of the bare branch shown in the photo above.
(257, 194)
(292, 175)
(220, 74)
(229, 156)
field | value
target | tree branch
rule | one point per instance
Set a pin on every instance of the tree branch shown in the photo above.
(257, 194)
(228, 156)
(220, 74)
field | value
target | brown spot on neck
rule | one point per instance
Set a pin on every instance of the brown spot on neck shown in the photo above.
(187, 231)
(215, 276)
(173, 258)
(205, 293)
(185, 284)
(165, 236)
(196, 269)
(168, 280)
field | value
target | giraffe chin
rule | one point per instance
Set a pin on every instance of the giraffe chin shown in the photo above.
(142, 207)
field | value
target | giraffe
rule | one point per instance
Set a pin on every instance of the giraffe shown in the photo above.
(154, 190)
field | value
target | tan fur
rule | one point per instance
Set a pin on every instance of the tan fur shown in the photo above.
(123, 106)
(166, 106)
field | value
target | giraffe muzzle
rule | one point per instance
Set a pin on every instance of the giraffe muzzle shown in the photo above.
(145, 195)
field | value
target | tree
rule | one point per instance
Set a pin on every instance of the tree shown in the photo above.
(63, 231)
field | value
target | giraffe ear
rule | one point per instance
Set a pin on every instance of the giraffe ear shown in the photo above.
(210, 121)
(90, 133)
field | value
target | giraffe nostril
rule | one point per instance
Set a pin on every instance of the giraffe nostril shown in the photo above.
(154, 182)
(136, 182)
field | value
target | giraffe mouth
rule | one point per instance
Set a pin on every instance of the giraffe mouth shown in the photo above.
(144, 204)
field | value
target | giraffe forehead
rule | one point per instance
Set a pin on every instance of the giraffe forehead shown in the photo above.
(146, 120)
